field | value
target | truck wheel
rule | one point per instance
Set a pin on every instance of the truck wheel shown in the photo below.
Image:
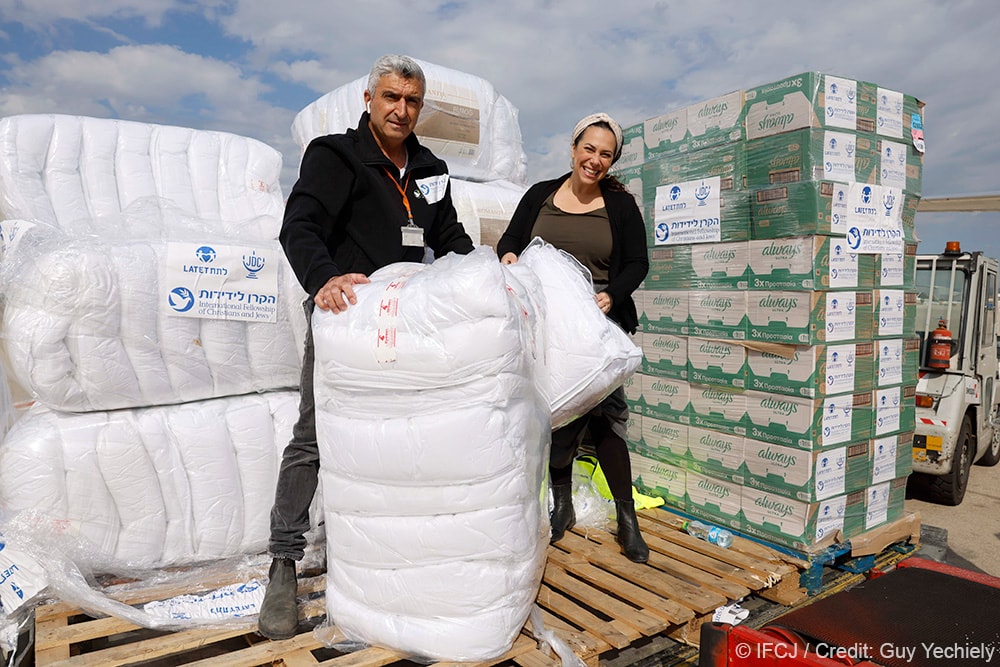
(949, 489)
(992, 455)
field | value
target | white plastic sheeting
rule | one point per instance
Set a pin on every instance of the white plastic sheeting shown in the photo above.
(465, 122)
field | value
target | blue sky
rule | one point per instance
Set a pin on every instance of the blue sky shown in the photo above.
(248, 66)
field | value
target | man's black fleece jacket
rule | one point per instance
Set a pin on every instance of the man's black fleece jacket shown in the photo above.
(629, 260)
(344, 214)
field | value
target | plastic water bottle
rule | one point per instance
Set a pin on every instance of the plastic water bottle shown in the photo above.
(711, 534)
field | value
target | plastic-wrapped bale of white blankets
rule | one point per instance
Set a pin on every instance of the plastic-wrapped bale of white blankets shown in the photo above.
(150, 487)
(433, 450)
(95, 323)
(485, 209)
(585, 354)
(68, 170)
(465, 121)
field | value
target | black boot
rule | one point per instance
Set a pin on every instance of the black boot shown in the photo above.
(279, 613)
(633, 546)
(563, 517)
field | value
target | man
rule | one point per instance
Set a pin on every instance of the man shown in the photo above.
(364, 199)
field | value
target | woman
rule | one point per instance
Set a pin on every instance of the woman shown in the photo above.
(589, 214)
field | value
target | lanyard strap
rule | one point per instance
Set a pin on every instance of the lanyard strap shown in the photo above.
(402, 193)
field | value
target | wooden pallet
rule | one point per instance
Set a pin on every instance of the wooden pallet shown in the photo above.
(591, 596)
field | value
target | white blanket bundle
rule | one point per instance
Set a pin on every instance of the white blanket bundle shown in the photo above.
(586, 355)
(69, 170)
(86, 326)
(434, 448)
(465, 122)
(151, 487)
(485, 209)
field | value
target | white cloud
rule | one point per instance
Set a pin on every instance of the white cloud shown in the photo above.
(38, 13)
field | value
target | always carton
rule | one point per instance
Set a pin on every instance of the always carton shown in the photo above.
(808, 476)
(664, 355)
(891, 457)
(716, 453)
(799, 209)
(812, 155)
(718, 314)
(894, 314)
(665, 134)
(659, 479)
(718, 408)
(716, 121)
(662, 440)
(715, 499)
(808, 263)
(809, 423)
(801, 525)
(663, 311)
(633, 147)
(666, 398)
(809, 318)
(884, 502)
(717, 362)
(895, 409)
(633, 393)
(819, 370)
(810, 99)
(897, 269)
(699, 266)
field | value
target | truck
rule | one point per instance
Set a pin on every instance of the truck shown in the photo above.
(957, 395)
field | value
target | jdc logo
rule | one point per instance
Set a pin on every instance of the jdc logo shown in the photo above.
(888, 201)
(702, 193)
(253, 263)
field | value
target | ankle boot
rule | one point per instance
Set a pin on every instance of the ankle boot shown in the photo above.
(633, 546)
(563, 517)
(279, 613)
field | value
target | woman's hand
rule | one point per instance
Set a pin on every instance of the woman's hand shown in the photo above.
(603, 300)
(509, 258)
(339, 291)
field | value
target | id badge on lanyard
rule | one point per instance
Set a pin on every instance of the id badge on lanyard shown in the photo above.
(413, 235)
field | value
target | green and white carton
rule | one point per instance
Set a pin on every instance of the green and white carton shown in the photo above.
(896, 361)
(718, 314)
(715, 499)
(884, 503)
(717, 362)
(665, 355)
(663, 311)
(803, 208)
(809, 423)
(808, 476)
(718, 408)
(665, 134)
(895, 312)
(666, 398)
(897, 269)
(808, 263)
(633, 147)
(716, 453)
(798, 524)
(716, 121)
(891, 457)
(809, 318)
(810, 99)
(812, 155)
(699, 266)
(664, 440)
(633, 393)
(819, 370)
(895, 409)
(659, 479)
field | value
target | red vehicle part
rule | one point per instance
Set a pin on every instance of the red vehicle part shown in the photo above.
(921, 614)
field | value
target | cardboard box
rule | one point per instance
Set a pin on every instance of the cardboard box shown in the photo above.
(798, 524)
(659, 479)
(664, 441)
(665, 134)
(809, 318)
(884, 503)
(809, 423)
(895, 312)
(716, 453)
(897, 270)
(808, 476)
(717, 121)
(807, 263)
(895, 409)
(633, 393)
(811, 155)
(699, 266)
(666, 398)
(633, 147)
(718, 408)
(810, 100)
(804, 208)
(718, 314)
(891, 457)
(663, 311)
(698, 210)
(715, 499)
(665, 355)
(717, 362)
(819, 370)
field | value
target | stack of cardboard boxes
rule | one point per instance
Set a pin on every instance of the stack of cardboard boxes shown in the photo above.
(777, 389)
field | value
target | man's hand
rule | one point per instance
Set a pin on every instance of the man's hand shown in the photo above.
(339, 291)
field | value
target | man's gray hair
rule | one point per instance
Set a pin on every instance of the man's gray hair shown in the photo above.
(404, 66)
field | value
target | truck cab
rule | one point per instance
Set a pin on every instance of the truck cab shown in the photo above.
(957, 394)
